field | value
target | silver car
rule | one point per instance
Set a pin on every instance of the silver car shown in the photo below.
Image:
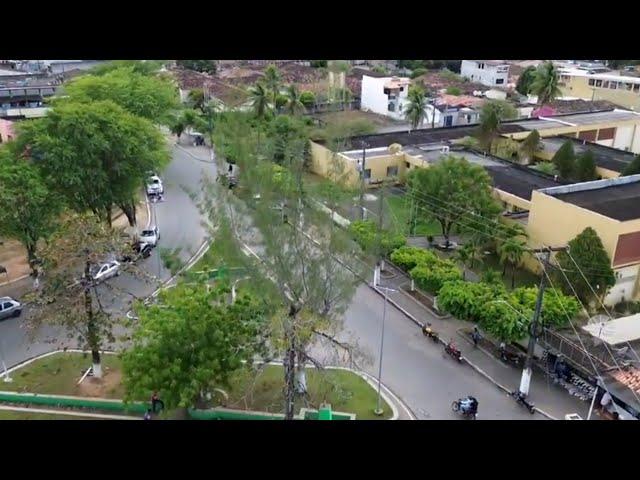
(9, 308)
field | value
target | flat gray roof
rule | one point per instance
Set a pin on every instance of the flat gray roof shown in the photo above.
(578, 119)
(605, 157)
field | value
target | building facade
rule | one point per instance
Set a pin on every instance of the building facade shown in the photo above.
(623, 90)
(384, 95)
(491, 73)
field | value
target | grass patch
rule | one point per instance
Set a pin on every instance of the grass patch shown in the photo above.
(58, 374)
(346, 392)
(400, 213)
(15, 415)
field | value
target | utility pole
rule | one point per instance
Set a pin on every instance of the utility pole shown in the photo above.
(525, 381)
(362, 179)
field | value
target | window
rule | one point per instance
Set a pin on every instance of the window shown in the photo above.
(613, 85)
(636, 87)
(407, 164)
(598, 83)
(386, 91)
(402, 89)
(367, 174)
(6, 306)
(392, 171)
(605, 84)
(392, 107)
(481, 66)
(606, 134)
(588, 135)
(499, 81)
(592, 82)
(628, 86)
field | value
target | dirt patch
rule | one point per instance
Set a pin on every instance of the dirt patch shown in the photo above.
(102, 387)
(13, 257)
(351, 115)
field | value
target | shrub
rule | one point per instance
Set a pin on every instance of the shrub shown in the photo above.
(308, 98)
(454, 91)
(417, 72)
(555, 306)
(365, 234)
(465, 300)
(432, 277)
(408, 257)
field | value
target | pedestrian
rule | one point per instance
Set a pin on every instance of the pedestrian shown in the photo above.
(605, 403)
(476, 336)
(147, 415)
(155, 402)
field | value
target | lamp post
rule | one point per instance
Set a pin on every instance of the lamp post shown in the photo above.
(379, 411)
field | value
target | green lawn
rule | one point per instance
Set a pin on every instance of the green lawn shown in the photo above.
(59, 374)
(346, 392)
(400, 212)
(15, 415)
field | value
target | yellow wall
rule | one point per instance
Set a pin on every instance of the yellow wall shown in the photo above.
(322, 163)
(556, 129)
(579, 87)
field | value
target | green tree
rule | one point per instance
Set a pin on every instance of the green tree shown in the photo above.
(272, 82)
(530, 146)
(523, 86)
(95, 155)
(143, 67)
(203, 66)
(466, 255)
(504, 109)
(294, 105)
(511, 253)
(565, 159)
(491, 277)
(489, 127)
(319, 63)
(259, 99)
(191, 342)
(28, 209)
(448, 191)
(594, 262)
(69, 297)
(545, 83)
(585, 167)
(633, 168)
(414, 110)
(177, 126)
(417, 72)
(308, 98)
(196, 98)
(149, 97)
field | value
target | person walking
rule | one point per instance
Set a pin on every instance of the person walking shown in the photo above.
(476, 336)
(155, 402)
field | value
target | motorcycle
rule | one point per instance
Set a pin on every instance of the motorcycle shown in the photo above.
(453, 351)
(427, 332)
(509, 357)
(522, 400)
(457, 407)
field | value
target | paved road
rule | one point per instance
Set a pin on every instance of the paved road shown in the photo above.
(180, 226)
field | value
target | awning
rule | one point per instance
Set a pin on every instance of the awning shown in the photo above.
(614, 332)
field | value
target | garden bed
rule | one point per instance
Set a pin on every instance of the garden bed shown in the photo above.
(345, 391)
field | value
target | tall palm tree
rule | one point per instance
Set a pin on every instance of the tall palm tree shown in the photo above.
(511, 253)
(272, 82)
(414, 111)
(293, 106)
(545, 83)
(259, 99)
(488, 128)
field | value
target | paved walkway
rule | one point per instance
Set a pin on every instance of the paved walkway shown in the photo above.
(549, 398)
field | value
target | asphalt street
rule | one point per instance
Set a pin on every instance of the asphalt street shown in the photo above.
(178, 219)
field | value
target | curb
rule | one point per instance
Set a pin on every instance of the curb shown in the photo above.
(67, 413)
(180, 147)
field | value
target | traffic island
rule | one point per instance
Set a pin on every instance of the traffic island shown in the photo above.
(53, 381)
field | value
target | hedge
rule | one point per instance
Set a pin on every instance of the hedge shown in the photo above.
(365, 233)
(409, 257)
(431, 277)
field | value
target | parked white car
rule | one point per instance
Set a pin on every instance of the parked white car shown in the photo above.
(154, 185)
(150, 236)
(9, 308)
(107, 270)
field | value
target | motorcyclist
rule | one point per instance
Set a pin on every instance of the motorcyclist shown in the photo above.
(469, 405)
(427, 329)
(452, 346)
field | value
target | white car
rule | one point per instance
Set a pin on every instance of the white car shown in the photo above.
(154, 185)
(9, 308)
(150, 236)
(107, 270)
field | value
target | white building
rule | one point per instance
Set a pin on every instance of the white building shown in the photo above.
(487, 72)
(384, 95)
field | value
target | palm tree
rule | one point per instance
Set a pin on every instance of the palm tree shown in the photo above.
(491, 277)
(414, 111)
(545, 83)
(272, 82)
(293, 105)
(530, 146)
(466, 255)
(511, 252)
(488, 128)
(259, 99)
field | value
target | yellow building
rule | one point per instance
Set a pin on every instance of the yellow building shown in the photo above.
(611, 207)
(619, 89)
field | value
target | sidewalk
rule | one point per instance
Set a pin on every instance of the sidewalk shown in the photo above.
(553, 400)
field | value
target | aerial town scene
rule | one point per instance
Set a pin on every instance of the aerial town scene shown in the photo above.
(320, 240)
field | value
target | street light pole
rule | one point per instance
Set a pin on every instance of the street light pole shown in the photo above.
(379, 410)
(362, 178)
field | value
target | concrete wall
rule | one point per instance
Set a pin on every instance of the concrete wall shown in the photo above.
(372, 97)
(624, 137)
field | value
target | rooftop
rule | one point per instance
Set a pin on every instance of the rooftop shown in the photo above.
(619, 330)
(617, 198)
(574, 119)
(605, 157)
(600, 76)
